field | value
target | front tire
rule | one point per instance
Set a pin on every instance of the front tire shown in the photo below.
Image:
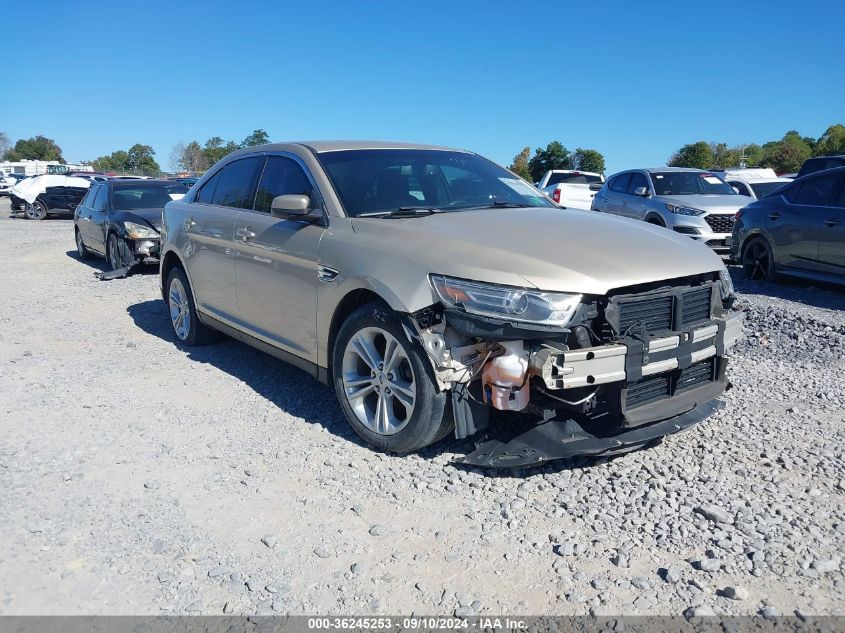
(758, 263)
(183, 312)
(36, 211)
(385, 383)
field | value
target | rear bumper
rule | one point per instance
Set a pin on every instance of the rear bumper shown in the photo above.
(560, 439)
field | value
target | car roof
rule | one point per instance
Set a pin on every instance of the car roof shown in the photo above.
(651, 170)
(129, 183)
(832, 170)
(336, 146)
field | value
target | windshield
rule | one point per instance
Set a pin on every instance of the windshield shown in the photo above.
(573, 179)
(763, 189)
(147, 196)
(690, 183)
(373, 180)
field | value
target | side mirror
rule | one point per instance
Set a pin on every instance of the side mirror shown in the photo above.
(735, 189)
(290, 205)
(641, 191)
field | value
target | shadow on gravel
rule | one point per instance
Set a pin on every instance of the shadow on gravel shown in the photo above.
(811, 293)
(289, 388)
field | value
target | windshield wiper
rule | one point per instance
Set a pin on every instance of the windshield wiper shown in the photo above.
(401, 212)
(501, 204)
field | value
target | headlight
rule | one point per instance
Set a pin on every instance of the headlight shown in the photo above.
(503, 302)
(727, 286)
(679, 210)
(139, 231)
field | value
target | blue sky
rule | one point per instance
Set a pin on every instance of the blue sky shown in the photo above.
(633, 80)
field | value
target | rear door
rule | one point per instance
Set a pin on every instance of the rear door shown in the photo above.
(82, 214)
(209, 227)
(613, 194)
(796, 226)
(832, 234)
(91, 225)
(276, 262)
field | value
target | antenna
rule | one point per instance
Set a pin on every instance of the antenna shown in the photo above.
(743, 159)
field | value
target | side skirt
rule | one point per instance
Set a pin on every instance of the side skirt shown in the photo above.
(312, 369)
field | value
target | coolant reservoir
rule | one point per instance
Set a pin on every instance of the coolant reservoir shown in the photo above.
(503, 379)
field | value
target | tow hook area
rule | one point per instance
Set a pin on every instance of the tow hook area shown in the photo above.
(560, 439)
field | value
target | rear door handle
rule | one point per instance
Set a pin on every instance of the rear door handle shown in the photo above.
(832, 221)
(774, 216)
(245, 234)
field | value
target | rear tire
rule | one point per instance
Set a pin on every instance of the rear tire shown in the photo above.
(183, 312)
(385, 383)
(81, 250)
(36, 211)
(758, 263)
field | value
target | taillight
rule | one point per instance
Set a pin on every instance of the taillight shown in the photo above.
(556, 195)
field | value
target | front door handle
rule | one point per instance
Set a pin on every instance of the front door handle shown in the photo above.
(245, 234)
(188, 224)
(774, 216)
(832, 221)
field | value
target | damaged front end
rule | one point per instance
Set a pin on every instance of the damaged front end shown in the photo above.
(587, 375)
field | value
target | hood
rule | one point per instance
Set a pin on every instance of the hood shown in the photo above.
(546, 248)
(140, 216)
(710, 203)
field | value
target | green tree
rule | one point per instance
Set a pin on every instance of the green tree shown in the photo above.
(555, 156)
(519, 166)
(697, 155)
(35, 148)
(788, 154)
(832, 142)
(258, 137)
(588, 160)
(116, 161)
(215, 149)
(141, 160)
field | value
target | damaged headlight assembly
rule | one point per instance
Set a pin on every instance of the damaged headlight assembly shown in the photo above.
(727, 285)
(139, 231)
(505, 302)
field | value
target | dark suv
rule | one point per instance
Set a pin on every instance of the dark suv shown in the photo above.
(812, 165)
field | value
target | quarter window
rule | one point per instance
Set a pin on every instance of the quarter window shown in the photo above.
(282, 176)
(206, 194)
(101, 199)
(235, 187)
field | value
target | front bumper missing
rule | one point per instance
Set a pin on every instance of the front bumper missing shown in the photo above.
(561, 439)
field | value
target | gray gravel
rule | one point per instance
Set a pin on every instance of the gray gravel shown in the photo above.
(141, 477)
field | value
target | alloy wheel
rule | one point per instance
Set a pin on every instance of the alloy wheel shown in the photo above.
(180, 309)
(378, 381)
(756, 260)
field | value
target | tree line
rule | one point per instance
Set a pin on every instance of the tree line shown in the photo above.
(555, 156)
(139, 159)
(784, 156)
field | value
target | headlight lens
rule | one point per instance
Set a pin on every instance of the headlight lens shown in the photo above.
(680, 210)
(503, 302)
(139, 231)
(727, 286)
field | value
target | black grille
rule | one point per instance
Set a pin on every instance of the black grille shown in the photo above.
(653, 314)
(656, 388)
(695, 375)
(648, 390)
(720, 223)
(696, 305)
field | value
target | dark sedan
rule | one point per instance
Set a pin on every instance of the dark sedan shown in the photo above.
(120, 220)
(799, 230)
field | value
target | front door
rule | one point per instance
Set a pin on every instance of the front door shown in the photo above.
(276, 263)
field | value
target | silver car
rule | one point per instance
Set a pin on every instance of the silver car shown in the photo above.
(429, 286)
(691, 202)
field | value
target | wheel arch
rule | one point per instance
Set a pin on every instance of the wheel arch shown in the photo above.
(170, 261)
(653, 217)
(350, 302)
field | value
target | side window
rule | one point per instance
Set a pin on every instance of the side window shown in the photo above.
(741, 188)
(620, 183)
(234, 189)
(637, 180)
(101, 199)
(206, 193)
(818, 192)
(282, 176)
(88, 200)
(840, 199)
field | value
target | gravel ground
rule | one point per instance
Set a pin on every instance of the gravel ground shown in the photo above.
(140, 477)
